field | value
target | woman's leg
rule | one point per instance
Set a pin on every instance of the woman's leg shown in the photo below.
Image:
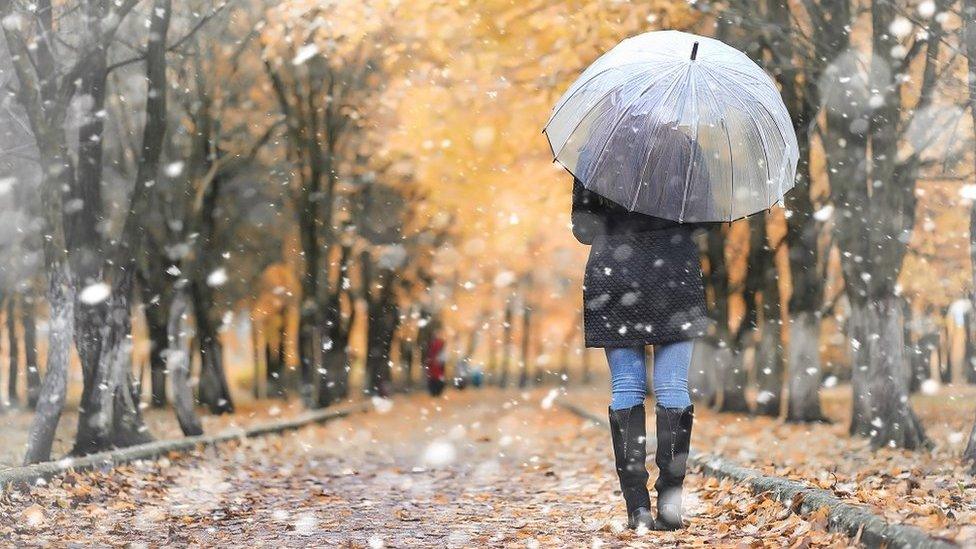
(671, 364)
(675, 416)
(628, 430)
(628, 377)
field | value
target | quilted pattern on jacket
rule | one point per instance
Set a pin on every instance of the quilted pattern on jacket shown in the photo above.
(643, 288)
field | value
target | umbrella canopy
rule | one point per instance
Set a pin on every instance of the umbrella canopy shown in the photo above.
(677, 126)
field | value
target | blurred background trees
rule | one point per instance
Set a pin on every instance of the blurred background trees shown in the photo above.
(208, 202)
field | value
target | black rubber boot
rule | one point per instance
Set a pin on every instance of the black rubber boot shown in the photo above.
(629, 433)
(673, 443)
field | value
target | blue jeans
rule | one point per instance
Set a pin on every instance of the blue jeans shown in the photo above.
(628, 375)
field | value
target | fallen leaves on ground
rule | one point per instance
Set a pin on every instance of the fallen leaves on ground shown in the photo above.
(929, 489)
(485, 468)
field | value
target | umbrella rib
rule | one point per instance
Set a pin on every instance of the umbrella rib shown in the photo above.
(694, 143)
(647, 158)
(585, 114)
(572, 93)
(620, 118)
(728, 138)
(759, 132)
(786, 142)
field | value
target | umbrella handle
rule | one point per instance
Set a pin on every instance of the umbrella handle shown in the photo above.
(694, 51)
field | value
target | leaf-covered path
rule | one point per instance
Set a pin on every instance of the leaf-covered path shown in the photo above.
(482, 468)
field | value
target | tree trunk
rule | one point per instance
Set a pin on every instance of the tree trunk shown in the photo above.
(31, 365)
(213, 389)
(804, 368)
(406, 351)
(333, 379)
(158, 343)
(177, 357)
(382, 323)
(524, 361)
(308, 319)
(944, 354)
(382, 317)
(969, 355)
(913, 381)
(111, 416)
(769, 369)
(768, 363)
(586, 376)
(921, 359)
(893, 422)
(506, 343)
(274, 357)
(50, 403)
(567, 349)
(336, 380)
(491, 374)
(969, 38)
(307, 329)
(272, 388)
(13, 350)
(255, 356)
(734, 381)
(969, 455)
(735, 374)
(706, 362)
(860, 404)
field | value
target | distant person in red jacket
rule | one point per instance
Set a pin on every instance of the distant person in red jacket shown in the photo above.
(435, 357)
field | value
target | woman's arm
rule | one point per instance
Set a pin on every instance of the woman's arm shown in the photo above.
(589, 217)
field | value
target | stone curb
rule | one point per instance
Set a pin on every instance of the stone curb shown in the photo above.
(30, 474)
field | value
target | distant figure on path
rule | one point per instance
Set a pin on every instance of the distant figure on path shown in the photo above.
(435, 357)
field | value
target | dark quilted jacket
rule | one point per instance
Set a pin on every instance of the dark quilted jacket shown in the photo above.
(643, 280)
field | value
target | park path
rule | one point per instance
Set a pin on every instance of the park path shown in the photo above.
(475, 468)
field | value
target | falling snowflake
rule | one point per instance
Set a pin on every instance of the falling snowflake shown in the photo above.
(382, 405)
(217, 278)
(549, 399)
(306, 524)
(12, 22)
(174, 169)
(930, 387)
(440, 453)
(968, 192)
(95, 293)
(305, 53)
(504, 278)
(7, 184)
(825, 213)
(926, 9)
(900, 27)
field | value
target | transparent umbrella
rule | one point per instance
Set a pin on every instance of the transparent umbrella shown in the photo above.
(677, 126)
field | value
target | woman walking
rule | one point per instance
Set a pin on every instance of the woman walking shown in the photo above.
(663, 133)
(643, 286)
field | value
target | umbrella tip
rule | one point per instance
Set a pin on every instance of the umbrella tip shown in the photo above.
(694, 51)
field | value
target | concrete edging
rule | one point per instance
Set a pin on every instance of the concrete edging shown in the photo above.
(854, 520)
(29, 474)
